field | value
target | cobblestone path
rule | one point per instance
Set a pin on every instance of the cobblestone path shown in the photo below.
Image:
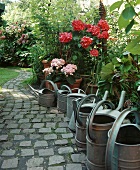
(33, 137)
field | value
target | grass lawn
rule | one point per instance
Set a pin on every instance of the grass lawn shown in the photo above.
(9, 73)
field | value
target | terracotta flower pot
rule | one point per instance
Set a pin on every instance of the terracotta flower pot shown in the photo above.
(76, 84)
(46, 63)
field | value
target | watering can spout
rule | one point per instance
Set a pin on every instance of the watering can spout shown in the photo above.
(105, 95)
(121, 101)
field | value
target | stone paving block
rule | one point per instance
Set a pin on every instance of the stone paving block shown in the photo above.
(28, 130)
(38, 125)
(40, 116)
(18, 117)
(35, 168)
(27, 152)
(25, 143)
(34, 162)
(19, 137)
(23, 121)
(1, 120)
(78, 157)
(57, 119)
(60, 130)
(50, 136)
(45, 130)
(73, 167)
(36, 120)
(3, 137)
(12, 126)
(34, 136)
(56, 159)
(61, 142)
(1, 126)
(51, 124)
(8, 117)
(8, 152)
(55, 168)
(46, 152)
(67, 135)
(15, 131)
(25, 125)
(46, 120)
(63, 124)
(10, 163)
(30, 116)
(7, 145)
(65, 150)
(41, 144)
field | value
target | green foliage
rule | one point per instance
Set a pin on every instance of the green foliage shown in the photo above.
(121, 74)
(16, 40)
(128, 20)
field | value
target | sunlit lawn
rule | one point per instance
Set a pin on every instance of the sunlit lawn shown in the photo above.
(9, 73)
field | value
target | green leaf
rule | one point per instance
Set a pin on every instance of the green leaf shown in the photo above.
(136, 32)
(129, 26)
(70, 79)
(128, 13)
(135, 50)
(107, 71)
(134, 46)
(137, 2)
(116, 5)
(122, 22)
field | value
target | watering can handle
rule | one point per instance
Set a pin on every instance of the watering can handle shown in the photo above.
(79, 90)
(80, 104)
(66, 87)
(92, 114)
(113, 135)
(52, 83)
(75, 103)
(121, 101)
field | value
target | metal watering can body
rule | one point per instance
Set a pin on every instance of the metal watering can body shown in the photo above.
(123, 146)
(62, 98)
(70, 97)
(83, 111)
(96, 136)
(98, 125)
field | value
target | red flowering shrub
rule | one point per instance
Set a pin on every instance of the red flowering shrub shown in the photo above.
(86, 42)
(94, 52)
(103, 25)
(65, 37)
(78, 25)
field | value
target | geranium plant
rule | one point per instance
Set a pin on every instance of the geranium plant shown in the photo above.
(83, 45)
(60, 71)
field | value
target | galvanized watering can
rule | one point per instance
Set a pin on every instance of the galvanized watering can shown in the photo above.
(62, 98)
(83, 111)
(72, 123)
(47, 97)
(123, 146)
(70, 97)
(98, 125)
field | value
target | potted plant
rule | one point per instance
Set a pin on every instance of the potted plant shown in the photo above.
(121, 74)
(61, 72)
(82, 45)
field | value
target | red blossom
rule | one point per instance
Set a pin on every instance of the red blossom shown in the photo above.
(94, 52)
(86, 41)
(94, 29)
(78, 25)
(65, 37)
(104, 35)
(3, 37)
(103, 25)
